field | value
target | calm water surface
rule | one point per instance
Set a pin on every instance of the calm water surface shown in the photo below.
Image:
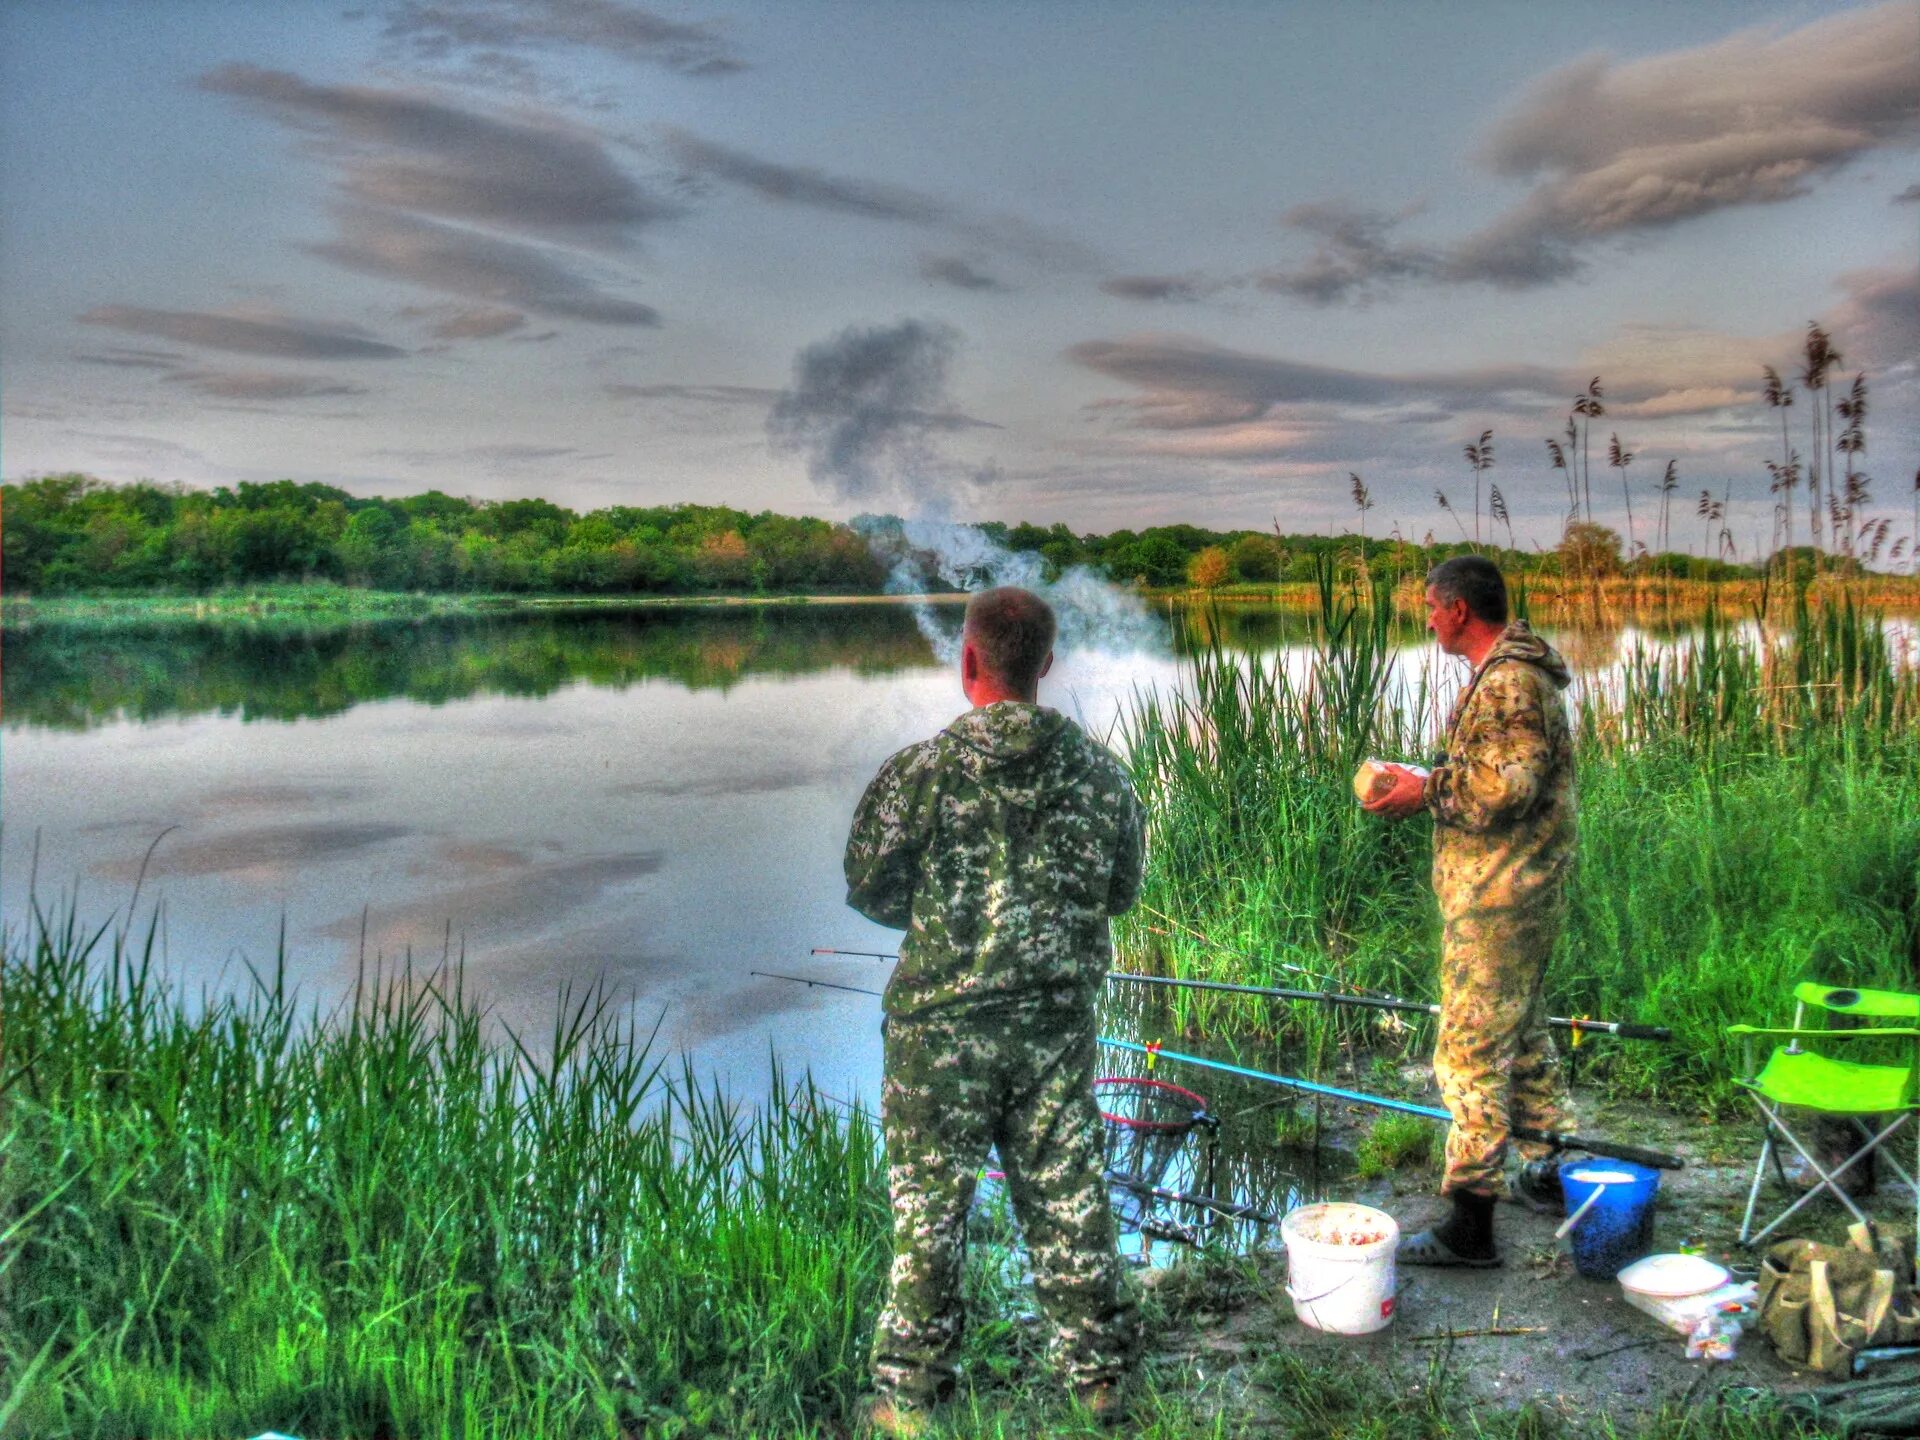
(653, 800)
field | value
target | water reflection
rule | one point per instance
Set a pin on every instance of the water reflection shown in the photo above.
(75, 676)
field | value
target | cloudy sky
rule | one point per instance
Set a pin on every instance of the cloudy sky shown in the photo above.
(1114, 263)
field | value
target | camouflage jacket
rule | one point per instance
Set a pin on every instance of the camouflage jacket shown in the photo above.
(1502, 794)
(1001, 846)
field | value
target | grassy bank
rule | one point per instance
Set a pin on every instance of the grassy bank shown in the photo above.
(225, 1215)
(1747, 820)
(229, 1217)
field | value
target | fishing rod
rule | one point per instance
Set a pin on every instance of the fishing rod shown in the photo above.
(1625, 1030)
(1579, 1025)
(1606, 1148)
(1621, 1029)
(824, 984)
(1232, 1209)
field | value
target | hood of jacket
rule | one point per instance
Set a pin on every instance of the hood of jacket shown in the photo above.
(1009, 747)
(1518, 642)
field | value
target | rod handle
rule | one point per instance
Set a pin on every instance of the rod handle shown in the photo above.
(1608, 1149)
(1627, 1031)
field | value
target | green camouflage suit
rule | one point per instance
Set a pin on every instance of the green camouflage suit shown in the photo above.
(1001, 846)
(1503, 842)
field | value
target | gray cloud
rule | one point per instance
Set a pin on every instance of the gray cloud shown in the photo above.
(281, 337)
(455, 322)
(817, 189)
(1617, 148)
(959, 272)
(1748, 120)
(802, 184)
(438, 31)
(1354, 257)
(697, 394)
(1170, 288)
(261, 385)
(481, 267)
(1194, 384)
(864, 406)
(1909, 196)
(130, 358)
(417, 153)
(1877, 324)
(497, 456)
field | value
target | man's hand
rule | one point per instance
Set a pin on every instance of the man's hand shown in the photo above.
(1407, 797)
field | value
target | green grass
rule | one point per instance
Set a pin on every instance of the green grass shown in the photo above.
(223, 1216)
(1396, 1142)
(1747, 819)
(220, 1215)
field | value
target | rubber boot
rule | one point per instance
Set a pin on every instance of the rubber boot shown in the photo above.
(1465, 1237)
(1468, 1231)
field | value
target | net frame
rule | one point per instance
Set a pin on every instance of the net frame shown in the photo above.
(1140, 1146)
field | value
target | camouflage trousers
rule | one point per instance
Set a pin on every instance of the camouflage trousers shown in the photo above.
(1495, 1058)
(952, 1092)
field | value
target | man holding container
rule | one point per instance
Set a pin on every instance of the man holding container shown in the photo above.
(1502, 801)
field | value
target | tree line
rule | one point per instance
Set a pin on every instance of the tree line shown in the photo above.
(72, 534)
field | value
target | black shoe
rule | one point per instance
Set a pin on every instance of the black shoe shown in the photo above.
(1464, 1238)
(1538, 1188)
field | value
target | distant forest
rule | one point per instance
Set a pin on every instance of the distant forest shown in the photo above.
(71, 534)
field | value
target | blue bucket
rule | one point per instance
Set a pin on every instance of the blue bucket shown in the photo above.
(1618, 1228)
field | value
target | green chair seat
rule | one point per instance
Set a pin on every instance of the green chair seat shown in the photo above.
(1841, 1087)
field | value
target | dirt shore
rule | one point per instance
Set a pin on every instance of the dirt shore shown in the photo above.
(1533, 1331)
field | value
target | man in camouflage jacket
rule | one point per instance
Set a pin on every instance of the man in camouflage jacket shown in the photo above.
(1001, 846)
(1502, 801)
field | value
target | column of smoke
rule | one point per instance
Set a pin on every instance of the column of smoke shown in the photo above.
(1094, 614)
(866, 409)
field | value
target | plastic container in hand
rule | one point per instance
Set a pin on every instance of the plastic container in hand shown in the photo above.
(1375, 778)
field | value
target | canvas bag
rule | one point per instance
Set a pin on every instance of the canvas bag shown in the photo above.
(1821, 1303)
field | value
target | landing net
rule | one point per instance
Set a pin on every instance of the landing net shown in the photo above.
(1148, 1123)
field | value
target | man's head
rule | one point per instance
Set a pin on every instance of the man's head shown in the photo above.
(1466, 604)
(1006, 645)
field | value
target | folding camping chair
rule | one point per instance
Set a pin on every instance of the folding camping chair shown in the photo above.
(1878, 1098)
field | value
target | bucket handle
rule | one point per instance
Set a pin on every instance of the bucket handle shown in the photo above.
(1593, 1197)
(1299, 1299)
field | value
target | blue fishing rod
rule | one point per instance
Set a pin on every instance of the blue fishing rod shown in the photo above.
(1639, 1156)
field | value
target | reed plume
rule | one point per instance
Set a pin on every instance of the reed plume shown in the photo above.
(1480, 459)
(1620, 459)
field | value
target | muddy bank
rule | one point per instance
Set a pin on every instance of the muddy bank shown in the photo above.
(1531, 1333)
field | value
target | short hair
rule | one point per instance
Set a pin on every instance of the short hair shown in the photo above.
(1013, 630)
(1474, 579)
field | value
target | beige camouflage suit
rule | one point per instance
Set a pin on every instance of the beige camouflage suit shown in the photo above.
(1503, 807)
(1001, 846)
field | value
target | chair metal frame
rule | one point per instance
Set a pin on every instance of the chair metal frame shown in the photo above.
(1838, 1000)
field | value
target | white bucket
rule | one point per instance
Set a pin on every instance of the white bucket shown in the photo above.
(1343, 1289)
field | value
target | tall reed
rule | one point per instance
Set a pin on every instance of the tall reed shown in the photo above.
(219, 1215)
(1747, 819)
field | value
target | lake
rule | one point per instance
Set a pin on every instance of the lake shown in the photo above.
(654, 800)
